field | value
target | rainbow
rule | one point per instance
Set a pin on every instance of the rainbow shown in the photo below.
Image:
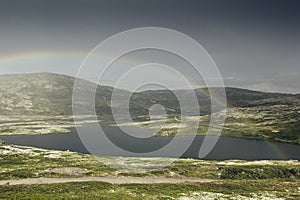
(19, 57)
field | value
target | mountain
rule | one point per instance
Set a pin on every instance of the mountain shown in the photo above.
(51, 94)
(43, 94)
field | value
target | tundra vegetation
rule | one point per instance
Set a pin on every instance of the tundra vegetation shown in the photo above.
(232, 179)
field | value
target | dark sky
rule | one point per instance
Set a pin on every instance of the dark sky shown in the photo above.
(255, 43)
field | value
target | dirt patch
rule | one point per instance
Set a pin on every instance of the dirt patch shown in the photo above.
(67, 171)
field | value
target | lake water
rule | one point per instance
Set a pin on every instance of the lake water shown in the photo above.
(226, 147)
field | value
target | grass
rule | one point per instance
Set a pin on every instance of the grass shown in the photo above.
(40, 124)
(25, 162)
(234, 178)
(260, 172)
(230, 189)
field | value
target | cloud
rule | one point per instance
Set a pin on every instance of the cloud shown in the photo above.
(284, 83)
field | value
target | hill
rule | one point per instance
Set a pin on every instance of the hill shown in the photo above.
(251, 114)
(51, 94)
(43, 94)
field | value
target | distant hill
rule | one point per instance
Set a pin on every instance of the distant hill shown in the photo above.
(250, 114)
(248, 98)
(236, 97)
(51, 94)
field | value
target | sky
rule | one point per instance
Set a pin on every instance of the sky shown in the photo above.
(255, 44)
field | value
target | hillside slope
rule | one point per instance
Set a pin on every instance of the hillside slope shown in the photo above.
(43, 94)
(51, 94)
(250, 114)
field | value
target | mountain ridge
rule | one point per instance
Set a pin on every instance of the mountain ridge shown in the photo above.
(51, 94)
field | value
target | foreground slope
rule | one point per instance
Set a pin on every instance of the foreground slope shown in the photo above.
(232, 179)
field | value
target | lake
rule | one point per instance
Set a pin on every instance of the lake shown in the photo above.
(226, 147)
